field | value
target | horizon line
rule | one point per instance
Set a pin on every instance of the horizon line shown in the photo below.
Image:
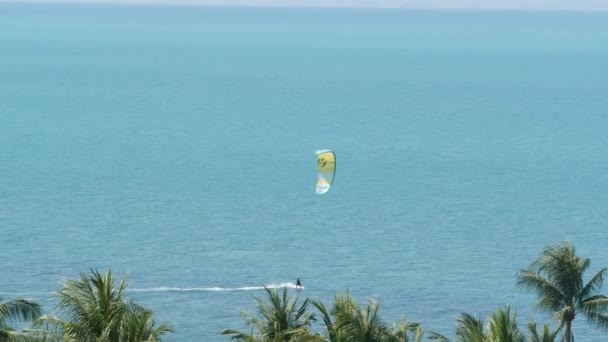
(306, 5)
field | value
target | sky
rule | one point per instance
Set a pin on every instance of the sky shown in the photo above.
(583, 5)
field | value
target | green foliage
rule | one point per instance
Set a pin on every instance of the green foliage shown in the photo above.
(546, 336)
(470, 329)
(278, 318)
(404, 330)
(13, 311)
(342, 311)
(94, 309)
(346, 321)
(365, 325)
(501, 327)
(557, 278)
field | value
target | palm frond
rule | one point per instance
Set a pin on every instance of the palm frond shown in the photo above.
(598, 319)
(593, 285)
(433, 336)
(551, 296)
(598, 303)
(95, 308)
(239, 336)
(401, 331)
(502, 326)
(327, 321)
(277, 318)
(19, 310)
(470, 328)
(546, 336)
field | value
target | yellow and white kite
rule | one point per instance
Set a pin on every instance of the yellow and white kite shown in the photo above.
(326, 166)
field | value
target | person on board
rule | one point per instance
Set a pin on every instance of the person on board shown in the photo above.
(298, 284)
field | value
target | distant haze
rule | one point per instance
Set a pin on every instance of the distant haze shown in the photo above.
(584, 5)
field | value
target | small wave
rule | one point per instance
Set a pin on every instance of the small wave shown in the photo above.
(215, 289)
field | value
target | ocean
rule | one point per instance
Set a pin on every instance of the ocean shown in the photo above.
(176, 145)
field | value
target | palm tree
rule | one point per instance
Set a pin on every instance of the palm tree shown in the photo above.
(277, 319)
(365, 324)
(351, 323)
(341, 311)
(546, 336)
(557, 278)
(16, 310)
(469, 329)
(501, 327)
(139, 325)
(333, 335)
(95, 309)
(401, 332)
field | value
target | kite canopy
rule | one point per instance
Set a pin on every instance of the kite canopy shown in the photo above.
(326, 165)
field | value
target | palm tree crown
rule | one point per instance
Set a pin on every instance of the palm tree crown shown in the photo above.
(95, 309)
(277, 319)
(557, 278)
(501, 327)
(346, 321)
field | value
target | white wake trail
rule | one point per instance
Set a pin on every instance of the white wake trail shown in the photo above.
(214, 289)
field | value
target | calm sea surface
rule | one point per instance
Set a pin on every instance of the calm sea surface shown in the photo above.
(177, 145)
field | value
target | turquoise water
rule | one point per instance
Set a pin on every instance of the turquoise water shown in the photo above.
(177, 145)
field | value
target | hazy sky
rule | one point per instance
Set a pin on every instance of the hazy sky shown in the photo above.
(477, 4)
